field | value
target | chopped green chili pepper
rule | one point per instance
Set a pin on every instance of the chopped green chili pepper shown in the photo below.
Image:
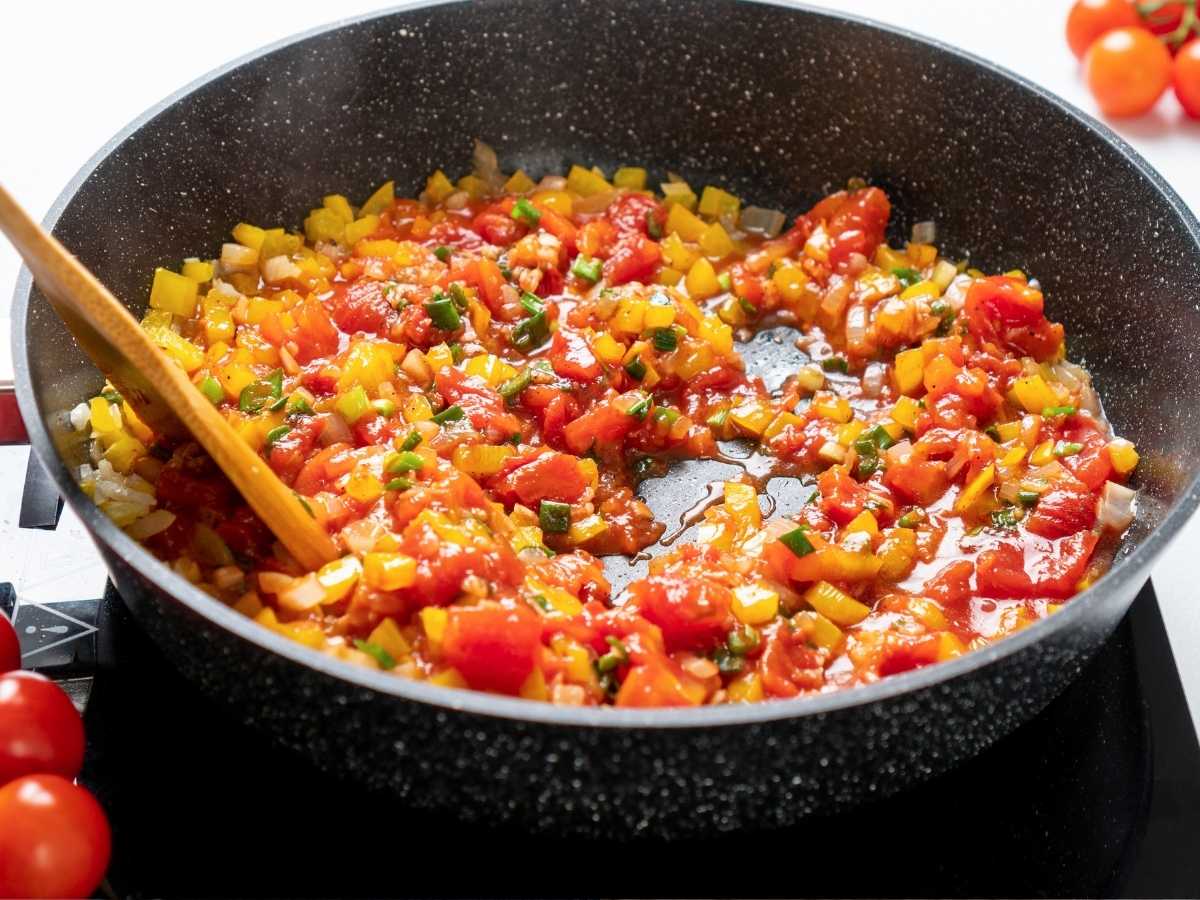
(743, 640)
(297, 405)
(353, 404)
(1028, 498)
(276, 433)
(449, 414)
(587, 269)
(1051, 411)
(381, 656)
(385, 407)
(747, 307)
(211, 388)
(524, 211)
(725, 280)
(257, 394)
(442, 253)
(398, 484)
(665, 339)
(908, 277)
(835, 364)
(728, 662)
(530, 333)
(653, 229)
(459, 296)
(540, 601)
(112, 396)
(666, 416)
(404, 461)
(640, 408)
(444, 313)
(636, 368)
(797, 541)
(554, 517)
(511, 389)
(456, 352)
(911, 519)
(718, 419)
(1066, 448)
(532, 303)
(411, 441)
(1006, 517)
(993, 432)
(614, 657)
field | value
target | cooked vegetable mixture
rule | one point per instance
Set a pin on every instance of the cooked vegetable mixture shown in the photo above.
(465, 389)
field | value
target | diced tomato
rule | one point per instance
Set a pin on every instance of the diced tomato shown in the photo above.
(659, 683)
(314, 333)
(952, 584)
(361, 306)
(1047, 569)
(555, 415)
(288, 453)
(245, 534)
(842, 498)
(492, 647)
(635, 258)
(483, 405)
(497, 228)
(856, 222)
(578, 572)
(596, 238)
(916, 478)
(906, 654)
(572, 358)
(1008, 312)
(323, 469)
(606, 422)
(746, 284)
(180, 490)
(1063, 510)
(450, 233)
(693, 613)
(561, 228)
(371, 431)
(546, 476)
(632, 212)
(788, 665)
(1092, 465)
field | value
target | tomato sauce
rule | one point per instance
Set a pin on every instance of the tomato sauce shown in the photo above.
(466, 388)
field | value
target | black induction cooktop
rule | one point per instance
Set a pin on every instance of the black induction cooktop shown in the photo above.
(1098, 796)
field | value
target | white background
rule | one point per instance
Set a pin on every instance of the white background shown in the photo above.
(75, 73)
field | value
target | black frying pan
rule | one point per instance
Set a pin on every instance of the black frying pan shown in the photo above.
(781, 105)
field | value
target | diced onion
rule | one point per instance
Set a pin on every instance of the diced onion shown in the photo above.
(80, 416)
(360, 537)
(924, 233)
(336, 431)
(552, 183)
(767, 222)
(279, 268)
(302, 594)
(594, 203)
(487, 166)
(1116, 506)
(874, 379)
(150, 524)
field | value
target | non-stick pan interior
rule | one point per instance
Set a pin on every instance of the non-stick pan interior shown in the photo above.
(779, 105)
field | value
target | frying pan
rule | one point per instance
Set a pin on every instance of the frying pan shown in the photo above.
(779, 104)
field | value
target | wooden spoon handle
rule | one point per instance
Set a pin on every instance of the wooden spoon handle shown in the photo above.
(158, 389)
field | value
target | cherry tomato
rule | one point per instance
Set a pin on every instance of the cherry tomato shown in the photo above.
(10, 647)
(1127, 70)
(1089, 19)
(40, 731)
(54, 839)
(1166, 19)
(1187, 78)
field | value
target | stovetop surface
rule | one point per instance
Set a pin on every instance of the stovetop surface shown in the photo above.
(1098, 796)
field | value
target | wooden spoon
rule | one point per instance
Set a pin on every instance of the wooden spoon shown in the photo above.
(158, 390)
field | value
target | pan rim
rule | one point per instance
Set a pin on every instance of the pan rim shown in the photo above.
(1128, 573)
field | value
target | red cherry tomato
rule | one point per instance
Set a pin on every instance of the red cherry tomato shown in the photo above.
(1089, 19)
(10, 647)
(1127, 70)
(1187, 78)
(54, 839)
(40, 731)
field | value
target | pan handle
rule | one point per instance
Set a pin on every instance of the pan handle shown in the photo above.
(12, 428)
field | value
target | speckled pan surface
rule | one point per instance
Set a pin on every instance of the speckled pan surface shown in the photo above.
(779, 103)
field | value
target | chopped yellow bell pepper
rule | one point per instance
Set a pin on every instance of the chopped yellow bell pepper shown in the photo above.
(630, 177)
(173, 293)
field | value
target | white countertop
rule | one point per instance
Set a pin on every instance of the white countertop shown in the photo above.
(75, 73)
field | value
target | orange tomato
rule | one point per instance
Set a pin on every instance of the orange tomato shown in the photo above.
(1127, 70)
(1186, 78)
(1089, 19)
